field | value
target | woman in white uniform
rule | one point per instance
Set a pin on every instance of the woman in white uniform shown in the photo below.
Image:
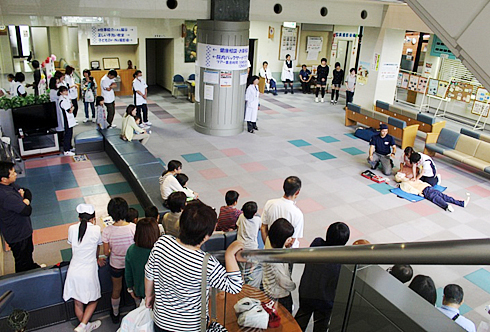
(252, 107)
(82, 280)
(287, 75)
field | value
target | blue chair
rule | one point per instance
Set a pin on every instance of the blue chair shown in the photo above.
(179, 84)
(192, 77)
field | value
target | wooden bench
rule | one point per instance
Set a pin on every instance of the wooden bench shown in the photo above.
(427, 123)
(396, 127)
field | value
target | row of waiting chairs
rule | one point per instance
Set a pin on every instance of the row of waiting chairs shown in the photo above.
(179, 84)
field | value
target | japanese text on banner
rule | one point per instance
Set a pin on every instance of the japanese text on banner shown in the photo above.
(222, 57)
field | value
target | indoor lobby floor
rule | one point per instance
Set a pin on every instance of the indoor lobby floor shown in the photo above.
(300, 137)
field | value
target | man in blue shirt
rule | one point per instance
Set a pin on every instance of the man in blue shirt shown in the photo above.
(452, 300)
(381, 148)
(15, 221)
(305, 78)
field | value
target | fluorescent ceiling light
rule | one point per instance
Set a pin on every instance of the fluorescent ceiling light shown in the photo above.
(81, 20)
(289, 25)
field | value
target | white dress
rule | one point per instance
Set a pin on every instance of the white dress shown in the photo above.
(287, 73)
(82, 280)
(252, 99)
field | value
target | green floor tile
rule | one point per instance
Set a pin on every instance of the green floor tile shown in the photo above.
(70, 204)
(353, 151)
(299, 143)
(382, 188)
(191, 157)
(481, 278)
(328, 139)
(323, 155)
(106, 169)
(118, 188)
(66, 255)
(351, 136)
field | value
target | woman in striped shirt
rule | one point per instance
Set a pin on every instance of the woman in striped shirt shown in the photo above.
(174, 271)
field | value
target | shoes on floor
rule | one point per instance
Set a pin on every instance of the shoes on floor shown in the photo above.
(80, 328)
(69, 153)
(331, 102)
(113, 126)
(147, 123)
(467, 201)
(251, 131)
(93, 120)
(85, 120)
(323, 100)
(449, 208)
(93, 325)
(316, 100)
(335, 102)
(115, 319)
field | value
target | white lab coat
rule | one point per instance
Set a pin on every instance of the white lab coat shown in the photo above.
(287, 73)
(267, 74)
(252, 100)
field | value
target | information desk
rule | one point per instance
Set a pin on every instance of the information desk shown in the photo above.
(125, 84)
(288, 324)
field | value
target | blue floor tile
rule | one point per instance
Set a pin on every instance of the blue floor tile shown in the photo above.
(162, 162)
(106, 169)
(37, 171)
(40, 179)
(351, 136)
(40, 207)
(67, 217)
(440, 293)
(464, 309)
(46, 220)
(70, 204)
(61, 184)
(323, 155)
(118, 188)
(59, 168)
(191, 157)
(66, 254)
(299, 143)
(382, 188)
(353, 151)
(93, 190)
(481, 278)
(329, 139)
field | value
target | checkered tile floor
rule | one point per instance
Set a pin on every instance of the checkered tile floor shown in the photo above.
(300, 137)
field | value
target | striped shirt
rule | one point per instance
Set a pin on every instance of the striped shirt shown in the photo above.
(176, 272)
(119, 239)
(228, 216)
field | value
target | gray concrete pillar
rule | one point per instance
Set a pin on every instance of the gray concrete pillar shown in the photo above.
(221, 71)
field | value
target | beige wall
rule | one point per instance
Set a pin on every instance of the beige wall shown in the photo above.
(327, 40)
(123, 52)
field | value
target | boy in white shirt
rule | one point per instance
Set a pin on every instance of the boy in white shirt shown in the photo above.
(248, 224)
(276, 277)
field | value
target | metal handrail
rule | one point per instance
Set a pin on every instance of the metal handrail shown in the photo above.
(453, 252)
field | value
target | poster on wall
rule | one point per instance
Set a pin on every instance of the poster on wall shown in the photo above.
(413, 82)
(406, 80)
(433, 84)
(190, 43)
(289, 43)
(197, 96)
(376, 61)
(388, 71)
(459, 91)
(422, 86)
(114, 36)
(243, 78)
(482, 95)
(210, 77)
(313, 47)
(428, 68)
(222, 57)
(225, 79)
(480, 108)
(442, 89)
(399, 80)
(363, 72)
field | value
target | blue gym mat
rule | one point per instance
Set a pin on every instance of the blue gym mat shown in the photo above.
(412, 197)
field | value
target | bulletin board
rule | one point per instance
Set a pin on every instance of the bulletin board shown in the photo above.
(459, 91)
(422, 85)
(413, 82)
(288, 43)
(399, 80)
(405, 80)
(481, 106)
(433, 85)
(442, 89)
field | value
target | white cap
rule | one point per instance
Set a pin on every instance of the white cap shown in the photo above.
(85, 208)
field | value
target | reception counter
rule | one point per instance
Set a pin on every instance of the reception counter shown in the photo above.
(125, 84)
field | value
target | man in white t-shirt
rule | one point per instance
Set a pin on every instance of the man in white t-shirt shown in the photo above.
(424, 168)
(140, 91)
(107, 86)
(285, 207)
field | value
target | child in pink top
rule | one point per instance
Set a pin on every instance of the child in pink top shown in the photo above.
(117, 238)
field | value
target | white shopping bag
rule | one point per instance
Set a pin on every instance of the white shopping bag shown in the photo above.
(138, 320)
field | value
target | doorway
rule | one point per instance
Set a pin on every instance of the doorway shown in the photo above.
(344, 53)
(251, 55)
(159, 62)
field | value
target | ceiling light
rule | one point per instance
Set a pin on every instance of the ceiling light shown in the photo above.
(81, 20)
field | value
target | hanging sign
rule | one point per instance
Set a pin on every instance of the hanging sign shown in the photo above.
(222, 57)
(114, 35)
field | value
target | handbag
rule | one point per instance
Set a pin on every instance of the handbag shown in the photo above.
(138, 320)
(89, 96)
(214, 326)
